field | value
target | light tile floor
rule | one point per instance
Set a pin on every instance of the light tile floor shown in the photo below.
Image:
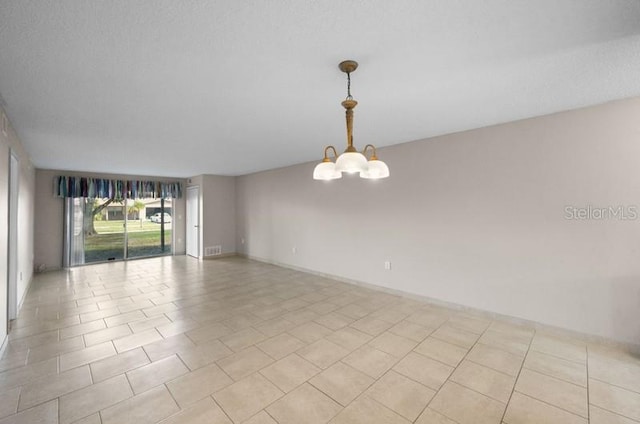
(176, 340)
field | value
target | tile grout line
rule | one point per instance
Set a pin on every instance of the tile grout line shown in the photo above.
(382, 405)
(180, 408)
(535, 332)
(336, 400)
(553, 377)
(587, 369)
(615, 385)
(454, 368)
(271, 416)
(617, 414)
(559, 357)
(19, 398)
(491, 368)
(308, 381)
(552, 405)
(222, 409)
(284, 394)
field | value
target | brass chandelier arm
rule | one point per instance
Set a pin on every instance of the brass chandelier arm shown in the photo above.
(326, 157)
(372, 147)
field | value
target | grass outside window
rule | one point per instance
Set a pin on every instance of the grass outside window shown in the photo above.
(143, 240)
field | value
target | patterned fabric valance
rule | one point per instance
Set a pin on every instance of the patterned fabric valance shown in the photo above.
(118, 189)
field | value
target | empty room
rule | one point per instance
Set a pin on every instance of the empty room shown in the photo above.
(312, 212)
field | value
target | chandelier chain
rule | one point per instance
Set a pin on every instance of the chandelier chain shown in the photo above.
(349, 96)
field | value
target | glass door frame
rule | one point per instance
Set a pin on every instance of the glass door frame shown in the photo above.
(125, 248)
(163, 228)
(70, 242)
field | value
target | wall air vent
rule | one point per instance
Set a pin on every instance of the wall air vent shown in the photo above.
(212, 250)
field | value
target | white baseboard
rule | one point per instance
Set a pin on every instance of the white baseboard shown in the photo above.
(3, 345)
(24, 295)
(562, 332)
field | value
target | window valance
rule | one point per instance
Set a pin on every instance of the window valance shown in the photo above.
(65, 186)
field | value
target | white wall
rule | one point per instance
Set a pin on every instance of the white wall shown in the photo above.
(475, 218)
(26, 214)
(217, 211)
(4, 232)
(49, 216)
(25, 238)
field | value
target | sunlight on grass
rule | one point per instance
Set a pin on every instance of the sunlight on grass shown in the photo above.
(109, 242)
(110, 227)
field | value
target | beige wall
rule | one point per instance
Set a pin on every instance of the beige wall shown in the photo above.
(25, 237)
(475, 218)
(217, 211)
(4, 232)
(50, 209)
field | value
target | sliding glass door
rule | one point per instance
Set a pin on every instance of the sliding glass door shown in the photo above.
(148, 227)
(108, 229)
(104, 230)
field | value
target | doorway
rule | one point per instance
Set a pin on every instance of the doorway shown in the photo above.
(12, 251)
(193, 221)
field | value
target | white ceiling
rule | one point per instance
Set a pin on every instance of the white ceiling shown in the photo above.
(181, 88)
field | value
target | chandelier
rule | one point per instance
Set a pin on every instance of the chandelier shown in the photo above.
(350, 161)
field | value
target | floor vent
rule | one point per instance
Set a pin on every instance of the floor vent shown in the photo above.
(212, 250)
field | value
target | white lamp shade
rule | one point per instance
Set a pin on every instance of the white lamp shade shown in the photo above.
(351, 162)
(326, 171)
(377, 169)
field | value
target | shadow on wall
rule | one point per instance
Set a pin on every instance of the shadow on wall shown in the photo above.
(625, 308)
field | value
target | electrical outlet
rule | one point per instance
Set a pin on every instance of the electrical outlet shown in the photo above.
(387, 265)
(294, 250)
(242, 240)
